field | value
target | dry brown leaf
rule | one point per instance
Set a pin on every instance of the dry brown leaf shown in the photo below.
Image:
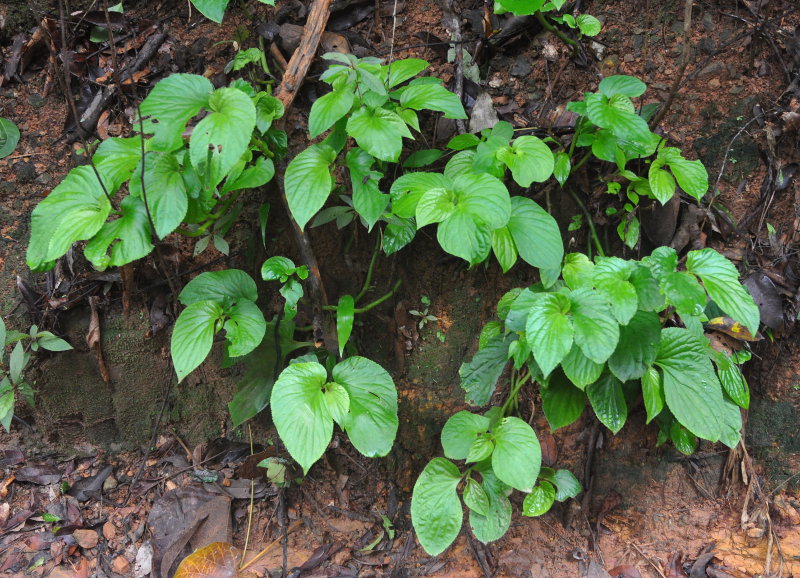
(86, 538)
(217, 560)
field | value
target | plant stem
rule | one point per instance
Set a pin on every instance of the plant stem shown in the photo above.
(590, 222)
(372, 305)
(517, 381)
(550, 28)
(368, 280)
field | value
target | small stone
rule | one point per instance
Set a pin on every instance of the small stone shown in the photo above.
(736, 89)
(707, 45)
(43, 179)
(638, 41)
(25, 172)
(86, 539)
(109, 531)
(120, 565)
(110, 483)
(714, 69)
(714, 83)
(496, 81)
(628, 58)
(36, 100)
(144, 560)
(521, 67)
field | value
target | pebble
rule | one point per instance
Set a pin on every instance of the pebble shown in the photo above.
(109, 531)
(714, 83)
(708, 22)
(36, 100)
(86, 539)
(43, 179)
(707, 45)
(120, 565)
(713, 69)
(521, 67)
(109, 483)
(628, 58)
(736, 89)
(25, 172)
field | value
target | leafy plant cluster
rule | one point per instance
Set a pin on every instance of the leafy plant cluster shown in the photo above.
(548, 11)
(14, 364)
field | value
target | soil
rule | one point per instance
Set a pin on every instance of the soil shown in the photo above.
(650, 511)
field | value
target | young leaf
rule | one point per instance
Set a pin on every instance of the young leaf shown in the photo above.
(522, 7)
(721, 280)
(460, 432)
(475, 497)
(567, 485)
(549, 330)
(430, 96)
(300, 412)
(479, 376)
(16, 362)
(128, 237)
(463, 141)
(116, 159)
(562, 167)
(422, 158)
(652, 393)
(434, 206)
(517, 456)
(219, 286)
(578, 271)
(308, 182)
(503, 247)
(244, 327)
(212, 9)
(435, 507)
(372, 422)
(596, 330)
(610, 276)
(401, 70)
(562, 402)
(539, 500)
(529, 159)
(734, 384)
(378, 131)
(329, 108)
(685, 441)
(480, 450)
(254, 176)
(536, 234)
(193, 336)
(338, 401)
(165, 189)
(344, 320)
(407, 190)
(620, 84)
(581, 370)
(608, 402)
(495, 523)
(588, 25)
(6, 406)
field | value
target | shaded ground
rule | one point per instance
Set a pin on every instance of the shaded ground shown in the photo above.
(649, 508)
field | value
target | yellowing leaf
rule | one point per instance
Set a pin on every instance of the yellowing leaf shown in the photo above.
(732, 328)
(217, 560)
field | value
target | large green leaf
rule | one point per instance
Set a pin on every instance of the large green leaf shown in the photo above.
(503, 247)
(637, 347)
(581, 370)
(721, 280)
(435, 206)
(549, 330)
(691, 389)
(212, 9)
(629, 86)
(193, 336)
(617, 115)
(308, 182)
(221, 138)
(562, 402)
(517, 455)
(540, 500)
(165, 189)
(407, 190)
(610, 276)
(460, 432)
(479, 376)
(368, 200)
(127, 237)
(432, 96)
(172, 102)
(329, 108)
(465, 236)
(244, 327)
(483, 197)
(220, 286)
(522, 7)
(529, 159)
(691, 175)
(536, 234)
(596, 330)
(74, 211)
(116, 159)
(9, 137)
(684, 292)
(378, 131)
(578, 271)
(652, 393)
(300, 412)
(372, 422)
(435, 507)
(608, 401)
(494, 523)
(401, 70)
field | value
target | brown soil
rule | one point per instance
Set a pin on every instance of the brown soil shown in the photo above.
(649, 507)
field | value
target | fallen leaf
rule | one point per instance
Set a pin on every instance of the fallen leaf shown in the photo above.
(87, 539)
(732, 328)
(42, 475)
(217, 560)
(11, 457)
(625, 571)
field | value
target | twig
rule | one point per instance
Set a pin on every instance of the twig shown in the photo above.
(292, 527)
(648, 560)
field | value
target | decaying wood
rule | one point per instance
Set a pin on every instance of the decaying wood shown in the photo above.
(93, 339)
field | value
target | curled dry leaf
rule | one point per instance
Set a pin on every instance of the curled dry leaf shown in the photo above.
(217, 560)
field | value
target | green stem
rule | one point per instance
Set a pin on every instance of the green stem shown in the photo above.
(212, 218)
(372, 305)
(550, 28)
(517, 381)
(368, 280)
(581, 162)
(589, 222)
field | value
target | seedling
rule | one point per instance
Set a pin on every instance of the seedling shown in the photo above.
(423, 316)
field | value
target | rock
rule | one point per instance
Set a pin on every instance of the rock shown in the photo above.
(43, 179)
(120, 565)
(628, 58)
(716, 68)
(521, 67)
(708, 22)
(110, 483)
(483, 114)
(714, 83)
(109, 531)
(86, 539)
(25, 172)
(36, 100)
(144, 560)
(736, 89)
(707, 45)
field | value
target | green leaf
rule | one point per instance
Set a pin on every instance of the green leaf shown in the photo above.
(434, 206)
(74, 211)
(652, 393)
(6, 408)
(407, 190)
(401, 70)
(529, 159)
(562, 402)
(540, 500)
(734, 384)
(172, 102)
(578, 271)
(596, 330)
(211, 9)
(219, 286)
(268, 108)
(460, 432)
(684, 441)
(475, 497)
(517, 456)
(549, 330)
(562, 167)
(608, 402)
(9, 137)
(610, 276)
(662, 184)
(581, 370)
(483, 197)
(479, 376)
(2, 337)
(308, 182)
(495, 523)
(300, 412)
(116, 159)
(193, 335)
(503, 247)
(422, 158)
(463, 141)
(329, 108)
(465, 236)
(647, 288)
(255, 386)
(372, 422)
(398, 234)
(222, 137)
(435, 508)
(338, 401)
(536, 234)
(589, 25)
(567, 485)
(615, 116)
(254, 176)
(344, 320)
(368, 200)
(378, 131)
(431, 96)
(721, 280)
(691, 175)
(684, 292)
(620, 84)
(691, 389)
(522, 7)
(165, 190)
(128, 237)
(480, 450)
(17, 362)
(245, 327)
(637, 347)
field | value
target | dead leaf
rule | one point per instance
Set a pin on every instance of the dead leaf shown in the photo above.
(90, 487)
(217, 560)
(549, 449)
(93, 339)
(732, 328)
(673, 568)
(11, 457)
(625, 571)
(87, 539)
(42, 475)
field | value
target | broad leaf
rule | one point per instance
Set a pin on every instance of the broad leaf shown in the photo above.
(308, 182)
(637, 347)
(378, 131)
(608, 402)
(460, 432)
(401, 70)
(629, 86)
(338, 401)
(220, 286)
(479, 376)
(127, 238)
(465, 236)
(596, 330)
(407, 190)
(372, 422)
(581, 370)
(652, 393)
(475, 497)
(721, 280)
(549, 330)
(172, 102)
(495, 522)
(517, 456)
(503, 247)
(610, 276)
(116, 159)
(329, 108)
(529, 159)
(540, 500)
(244, 327)
(536, 234)
(165, 189)
(193, 336)
(562, 402)
(578, 271)
(430, 96)
(212, 9)
(9, 137)
(300, 412)
(435, 507)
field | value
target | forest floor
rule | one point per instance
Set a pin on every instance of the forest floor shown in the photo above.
(731, 73)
